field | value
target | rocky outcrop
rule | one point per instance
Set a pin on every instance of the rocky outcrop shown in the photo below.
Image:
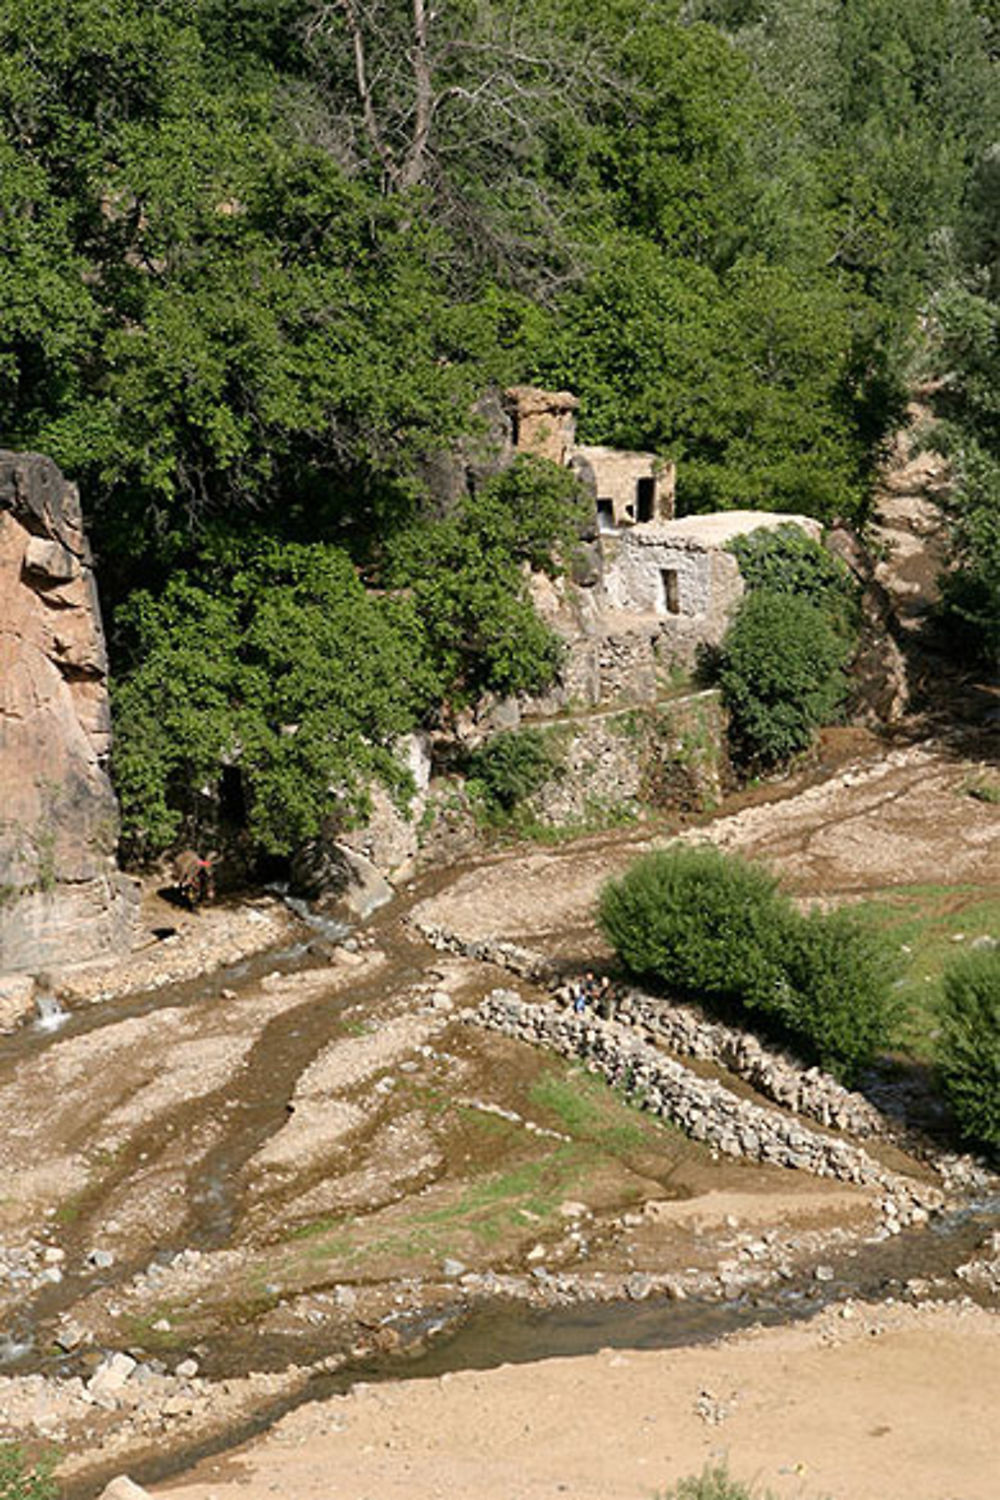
(338, 880)
(62, 897)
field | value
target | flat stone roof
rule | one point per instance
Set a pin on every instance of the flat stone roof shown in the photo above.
(615, 455)
(720, 527)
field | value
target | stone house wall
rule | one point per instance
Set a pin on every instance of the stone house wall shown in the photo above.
(628, 488)
(681, 575)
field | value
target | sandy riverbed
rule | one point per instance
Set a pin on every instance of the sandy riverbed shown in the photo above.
(887, 1403)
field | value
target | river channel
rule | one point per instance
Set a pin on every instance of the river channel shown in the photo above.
(137, 1164)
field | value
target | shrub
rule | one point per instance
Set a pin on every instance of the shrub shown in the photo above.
(786, 560)
(713, 927)
(969, 1048)
(509, 768)
(781, 670)
(706, 923)
(842, 975)
(21, 1479)
(715, 1483)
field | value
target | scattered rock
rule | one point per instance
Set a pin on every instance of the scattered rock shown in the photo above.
(124, 1488)
(110, 1376)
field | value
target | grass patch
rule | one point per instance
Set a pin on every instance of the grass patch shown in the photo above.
(143, 1332)
(931, 925)
(983, 789)
(589, 1110)
(598, 817)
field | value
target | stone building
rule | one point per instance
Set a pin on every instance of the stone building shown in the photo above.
(628, 488)
(681, 574)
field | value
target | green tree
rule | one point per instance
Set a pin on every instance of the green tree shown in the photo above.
(466, 579)
(274, 660)
(785, 559)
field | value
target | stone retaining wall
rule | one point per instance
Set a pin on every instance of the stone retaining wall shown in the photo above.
(702, 1108)
(688, 1032)
(806, 1091)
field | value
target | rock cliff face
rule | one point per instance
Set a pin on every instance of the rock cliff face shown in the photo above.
(62, 898)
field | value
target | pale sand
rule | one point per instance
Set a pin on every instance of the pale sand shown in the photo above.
(890, 1403)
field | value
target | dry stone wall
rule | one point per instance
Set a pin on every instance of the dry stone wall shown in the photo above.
(62, 898)
(703, 1108)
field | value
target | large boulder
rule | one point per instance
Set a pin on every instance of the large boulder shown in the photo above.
(338, 881)
(62, 897)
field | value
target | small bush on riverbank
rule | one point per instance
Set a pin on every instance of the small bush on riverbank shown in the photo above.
(714, 1483)
(717, 929)
(969, 1047)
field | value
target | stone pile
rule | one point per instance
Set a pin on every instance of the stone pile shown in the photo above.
(686, 1031)
(704, 1109)
(28, 1267)
(524, 962)
(773, 1074)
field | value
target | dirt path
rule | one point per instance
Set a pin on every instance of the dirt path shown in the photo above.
(897, 818)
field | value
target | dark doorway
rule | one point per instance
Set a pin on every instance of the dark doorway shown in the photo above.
(645, 499)
(671, 591)
(605, 515)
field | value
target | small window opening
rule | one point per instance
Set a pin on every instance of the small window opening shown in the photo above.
(515, 429)
(605, 515)
(645, 498)
(671, 591)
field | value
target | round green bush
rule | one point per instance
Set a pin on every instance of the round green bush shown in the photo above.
(706, 923)
(969, 1046)
(713, 927)
(781, 671)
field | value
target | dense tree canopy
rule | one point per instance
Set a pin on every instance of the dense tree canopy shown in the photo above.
(260, 259)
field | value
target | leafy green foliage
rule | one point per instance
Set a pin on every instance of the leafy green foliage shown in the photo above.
(786, 560)
(465, 577)
(781, 671)
(842, 974)
(705, 923)
(510, 768)
(21, 1479)
(969, 330)
(969, 1046)
(715, 928)
(226, 299)
(275, 660)
(272, 658)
